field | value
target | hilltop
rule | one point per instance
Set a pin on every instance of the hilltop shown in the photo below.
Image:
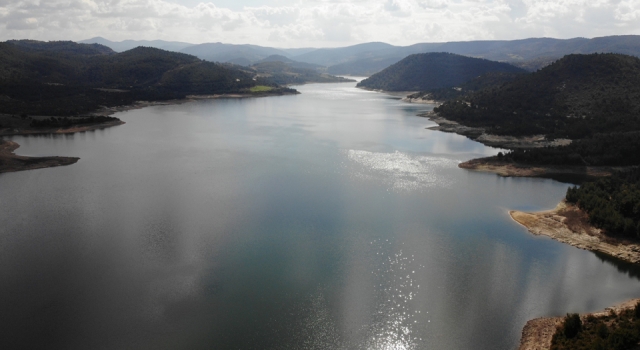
(369, 58)
(66, 79)
(292, 72)
(575, 97)
(421, 72)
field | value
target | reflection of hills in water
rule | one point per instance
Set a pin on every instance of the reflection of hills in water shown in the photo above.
(633, 270)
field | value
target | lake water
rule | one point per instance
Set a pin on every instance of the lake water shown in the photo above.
(327, 220)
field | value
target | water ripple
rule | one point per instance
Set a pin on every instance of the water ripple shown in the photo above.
(402, 171)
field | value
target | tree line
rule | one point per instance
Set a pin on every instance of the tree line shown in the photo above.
(612, 203)
(615, 331)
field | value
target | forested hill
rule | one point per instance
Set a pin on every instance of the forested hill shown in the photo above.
(63, 47)
(575, 97)
(485, 81)
(427, 71)
(64, 78)
(288, 73)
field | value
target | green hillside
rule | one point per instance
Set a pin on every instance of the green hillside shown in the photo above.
(65, 78)
(69, 47)
(485, 81)
(428, 71)
(287, 73)
(575, 97)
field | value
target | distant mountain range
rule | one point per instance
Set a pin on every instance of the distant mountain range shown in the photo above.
(292, 72)
(433, 70)
(368, 58)
(215, 52)
(121, 46)
(64, 78)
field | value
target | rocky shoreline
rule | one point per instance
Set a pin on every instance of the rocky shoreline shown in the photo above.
(537, 333)
(568, 224)
(421, 100)
(10, 162)
(510, 169)
(480, 135)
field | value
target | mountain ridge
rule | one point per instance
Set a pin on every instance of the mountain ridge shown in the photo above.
(419, 72)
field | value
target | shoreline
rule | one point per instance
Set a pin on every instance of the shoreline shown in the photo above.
(510, 169)
(568, 224)
(500, 141)
(10, 162)
(59, 131)
(538, 332)
(108, 111)
(420, 100)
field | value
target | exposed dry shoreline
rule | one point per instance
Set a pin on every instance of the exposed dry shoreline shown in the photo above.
(568, 224)
(421, 100)
(504, 168)
(507, 169)
(479, 134)
(537, 333)
(10, 162)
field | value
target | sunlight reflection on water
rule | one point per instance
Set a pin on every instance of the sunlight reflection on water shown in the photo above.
(398, 319)
(402, 171)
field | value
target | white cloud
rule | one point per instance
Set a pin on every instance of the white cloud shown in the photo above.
(321, 23)
(23, 24)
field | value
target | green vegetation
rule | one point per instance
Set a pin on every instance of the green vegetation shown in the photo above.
(575, 97)
(613, 203)
(485, 81)
(286, 73)
(66, 79)
(430, 71)
(611, 332)
(261, 88)
(65, 122)
(612, 149)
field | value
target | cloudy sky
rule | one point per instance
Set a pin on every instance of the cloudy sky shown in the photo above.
(319, 23)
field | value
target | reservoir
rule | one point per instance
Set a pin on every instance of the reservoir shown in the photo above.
(332, 219)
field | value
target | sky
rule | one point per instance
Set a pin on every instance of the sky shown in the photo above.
(320, 23)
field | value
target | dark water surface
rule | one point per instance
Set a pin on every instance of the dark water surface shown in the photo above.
(327, 220)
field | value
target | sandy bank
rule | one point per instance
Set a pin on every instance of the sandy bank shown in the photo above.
(568, 224)
(479, 134)
(10, 162)
(504, 168)
(537, 333)
(421, 100)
